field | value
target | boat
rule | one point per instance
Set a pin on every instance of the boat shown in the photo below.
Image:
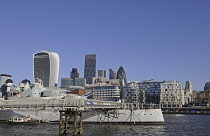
(127, 114)
(21, 120)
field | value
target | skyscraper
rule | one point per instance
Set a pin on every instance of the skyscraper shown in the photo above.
(46, 67)
(112, 74)
(74, 74)
(207, 86)
(188, 92)
(188, 87)
(121, 76)
(90, 68)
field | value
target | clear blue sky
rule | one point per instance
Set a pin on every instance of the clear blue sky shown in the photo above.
(151, 39)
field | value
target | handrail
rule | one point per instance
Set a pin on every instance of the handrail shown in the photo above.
(62, 103)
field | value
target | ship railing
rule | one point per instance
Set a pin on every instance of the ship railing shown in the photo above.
(89, 103)
(62, 103)
(134, 106)
(37, 103)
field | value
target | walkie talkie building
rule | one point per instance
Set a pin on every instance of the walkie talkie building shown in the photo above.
(90, 68)
(46, 67)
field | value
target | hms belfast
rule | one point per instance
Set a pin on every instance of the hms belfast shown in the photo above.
(101, 92)
(127, 113)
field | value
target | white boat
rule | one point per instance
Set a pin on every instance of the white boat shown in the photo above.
(21, 120)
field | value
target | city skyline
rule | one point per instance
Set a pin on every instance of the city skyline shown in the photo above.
(158, 40)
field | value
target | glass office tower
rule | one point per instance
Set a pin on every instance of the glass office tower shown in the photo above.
(90, 68)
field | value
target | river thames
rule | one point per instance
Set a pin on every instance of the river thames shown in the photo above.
(175, 125)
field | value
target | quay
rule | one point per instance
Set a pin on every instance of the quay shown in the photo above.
(186, 110)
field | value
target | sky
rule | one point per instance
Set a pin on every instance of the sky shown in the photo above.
(151, 39)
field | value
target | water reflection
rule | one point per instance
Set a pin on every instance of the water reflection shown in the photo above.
(175, 125)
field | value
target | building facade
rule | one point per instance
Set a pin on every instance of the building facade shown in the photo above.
(74, 73)
(80, 82)
(101, 73)
(203, 97)
(3, 87)
(66, 82)
(46, 67)
(150, 92)
(207, 86)
(188, 92)
(90, 68)
(131, 94)
(172, 94)
(108, 93)
(3, 79)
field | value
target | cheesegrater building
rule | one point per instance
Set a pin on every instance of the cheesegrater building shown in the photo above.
(46, 67)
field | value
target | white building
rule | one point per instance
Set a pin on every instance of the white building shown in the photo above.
(172, 94)
(106, 93)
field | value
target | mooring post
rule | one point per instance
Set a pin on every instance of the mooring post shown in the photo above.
(80, 132)
(75, 123)
(60, 124)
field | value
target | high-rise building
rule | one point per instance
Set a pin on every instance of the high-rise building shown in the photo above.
(101, 73)
(207, 86)
(121, 76)
(90, 68)
(188, 92)
(112, 74)
(46, 67)
(74, 74)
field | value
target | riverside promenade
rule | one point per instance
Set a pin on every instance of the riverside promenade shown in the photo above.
(186, 110)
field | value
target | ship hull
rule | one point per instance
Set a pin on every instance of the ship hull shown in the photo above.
(125, 116)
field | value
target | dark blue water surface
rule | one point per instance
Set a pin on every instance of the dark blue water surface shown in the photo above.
(175, 125)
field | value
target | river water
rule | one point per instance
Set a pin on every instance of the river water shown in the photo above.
(175, 125)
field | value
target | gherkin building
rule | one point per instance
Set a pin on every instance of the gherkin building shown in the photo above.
(121, 76)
